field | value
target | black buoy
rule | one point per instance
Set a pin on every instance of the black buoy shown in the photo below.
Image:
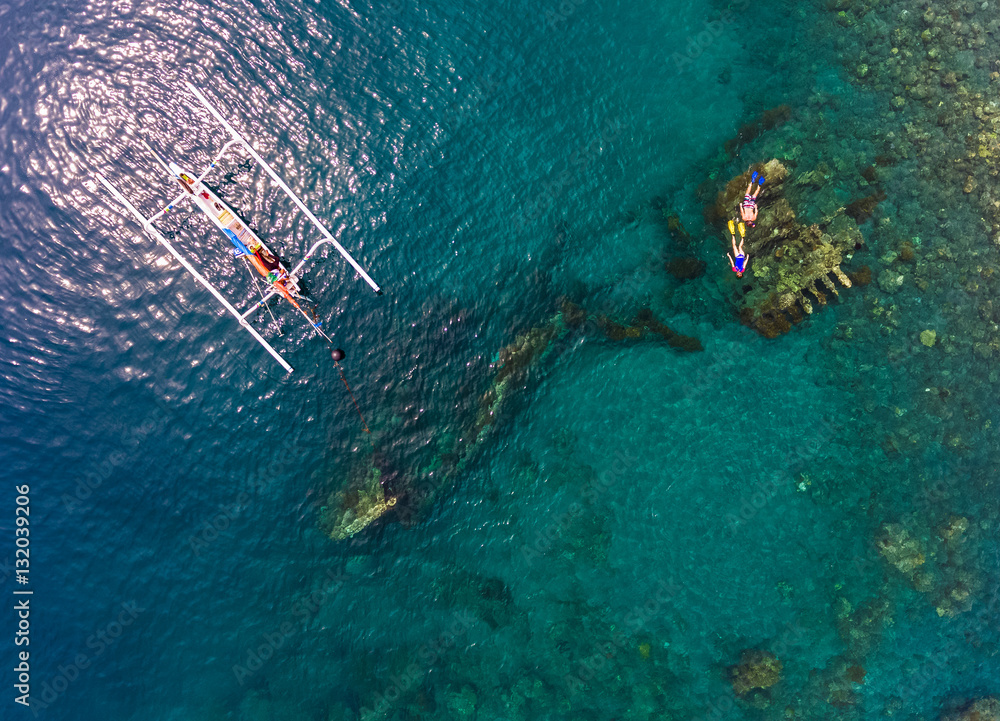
(338, 355)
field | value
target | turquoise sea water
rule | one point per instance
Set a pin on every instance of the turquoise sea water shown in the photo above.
(636, 518)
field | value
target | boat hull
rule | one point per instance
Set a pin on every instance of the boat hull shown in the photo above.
(246, 242)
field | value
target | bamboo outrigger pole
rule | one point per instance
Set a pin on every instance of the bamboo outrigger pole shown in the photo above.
(148, 227)
(281, 183)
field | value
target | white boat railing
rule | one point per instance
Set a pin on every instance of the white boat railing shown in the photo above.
(148, 227)
(151, 230)
(281, 183)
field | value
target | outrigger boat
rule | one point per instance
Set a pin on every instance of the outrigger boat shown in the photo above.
(247, 244)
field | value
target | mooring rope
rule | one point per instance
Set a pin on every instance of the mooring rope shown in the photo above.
(338, 355)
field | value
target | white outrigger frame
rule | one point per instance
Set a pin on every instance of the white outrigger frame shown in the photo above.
(150, 229)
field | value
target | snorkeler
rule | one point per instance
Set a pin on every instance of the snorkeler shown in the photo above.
(748, 206)
(739, 262)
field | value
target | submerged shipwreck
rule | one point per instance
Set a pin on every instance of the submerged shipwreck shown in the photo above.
(793, 267)
(374, 489)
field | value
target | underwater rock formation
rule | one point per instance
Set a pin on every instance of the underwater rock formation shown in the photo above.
(984, 709)
(461, 704)
(903, 551)
(792, 266)
(486, 597)
(677, 230)
(768, 120)
(862, 276)
(948, 580)
(861, 209)
(686, 268)
(756, 672)
(861, 628)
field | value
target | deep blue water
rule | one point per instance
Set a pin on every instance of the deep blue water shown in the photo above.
(632, 522)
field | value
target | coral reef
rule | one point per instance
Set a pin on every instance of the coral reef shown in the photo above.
(767, 120)
(461, 704)
(958, 583)
(676, 229)
(948, 581)
(861, 628)
(756, 672)
(834, 685)
(686, 268)
(983, 709)
(904, 552)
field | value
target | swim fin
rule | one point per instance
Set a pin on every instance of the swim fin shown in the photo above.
(743, 231)
(732, 228)
(753, 178)
(760, 181)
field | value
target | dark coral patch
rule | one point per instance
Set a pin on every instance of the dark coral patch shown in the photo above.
(862, 276)
(677, 230)
(861, 210)
(768, 120)
(686, 268)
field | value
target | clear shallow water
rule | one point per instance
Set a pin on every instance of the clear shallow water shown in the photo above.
(481, 163)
